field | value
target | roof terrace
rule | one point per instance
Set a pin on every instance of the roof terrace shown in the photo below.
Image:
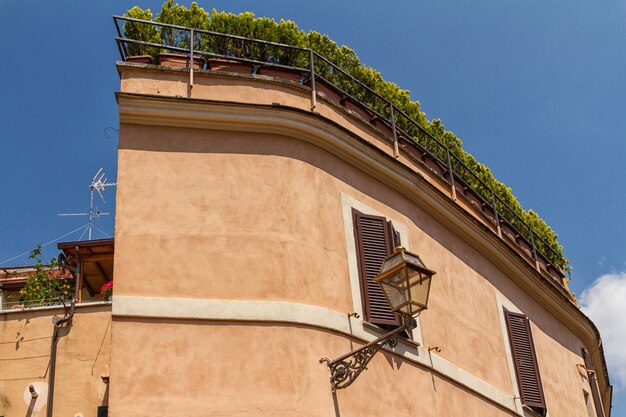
(236, 55)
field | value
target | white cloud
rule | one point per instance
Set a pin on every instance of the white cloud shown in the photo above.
(605, 303)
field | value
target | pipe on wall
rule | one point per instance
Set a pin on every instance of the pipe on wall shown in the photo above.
(58, 322)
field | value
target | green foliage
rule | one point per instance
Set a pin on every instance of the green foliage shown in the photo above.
(174, 14)
(248, 26)
(141, 32)
(43, 288)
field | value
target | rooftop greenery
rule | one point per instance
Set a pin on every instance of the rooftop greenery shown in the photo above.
(287, 32)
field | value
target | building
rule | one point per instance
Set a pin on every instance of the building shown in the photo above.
(278, 198)
(77, 354)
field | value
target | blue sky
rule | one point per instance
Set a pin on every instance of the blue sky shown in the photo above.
(536, 91)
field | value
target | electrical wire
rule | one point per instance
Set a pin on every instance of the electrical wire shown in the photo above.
(83, 234)
(45, 244)
(98, 229)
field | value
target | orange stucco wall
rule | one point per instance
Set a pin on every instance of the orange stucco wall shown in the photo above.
(210, 214)
(207, 368)
(83, 356)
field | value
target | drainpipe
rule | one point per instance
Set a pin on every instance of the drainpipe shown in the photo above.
(58, 322)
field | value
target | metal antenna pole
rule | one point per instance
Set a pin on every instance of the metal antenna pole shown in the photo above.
(98, 184)
(90, 212)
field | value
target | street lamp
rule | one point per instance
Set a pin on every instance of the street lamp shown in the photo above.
(405, 281)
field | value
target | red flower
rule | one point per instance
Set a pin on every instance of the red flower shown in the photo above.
(106, 291)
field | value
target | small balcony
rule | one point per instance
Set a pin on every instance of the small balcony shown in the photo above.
(88, 262)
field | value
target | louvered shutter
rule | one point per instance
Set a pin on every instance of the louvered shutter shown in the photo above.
(374, 243)
(394, 236)
(525, 359)
(593, 383)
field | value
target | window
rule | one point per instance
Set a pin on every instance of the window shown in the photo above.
(375, 240)
(525, 360)
(593, 384)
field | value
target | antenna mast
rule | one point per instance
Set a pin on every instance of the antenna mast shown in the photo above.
(98, 184)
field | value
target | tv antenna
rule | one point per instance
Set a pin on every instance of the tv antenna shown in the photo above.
(98, 184)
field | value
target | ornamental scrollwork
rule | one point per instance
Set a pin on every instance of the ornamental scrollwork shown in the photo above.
(345, 369)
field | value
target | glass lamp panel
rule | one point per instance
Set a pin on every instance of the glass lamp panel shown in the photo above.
(391, 262)
(395, 289)
(419, 288)
(408, 309)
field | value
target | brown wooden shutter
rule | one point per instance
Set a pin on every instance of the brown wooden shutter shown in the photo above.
(394, 236)
(373, 243)
(525, 359)
(593, 383)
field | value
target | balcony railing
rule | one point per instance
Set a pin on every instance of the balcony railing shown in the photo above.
(321, 74)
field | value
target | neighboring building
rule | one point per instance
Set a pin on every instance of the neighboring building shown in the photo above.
(244, 262)
(82, 358)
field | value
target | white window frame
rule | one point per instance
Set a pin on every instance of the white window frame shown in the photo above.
(347, 204)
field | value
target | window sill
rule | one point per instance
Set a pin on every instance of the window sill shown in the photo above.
(380, 331)
(529, 412)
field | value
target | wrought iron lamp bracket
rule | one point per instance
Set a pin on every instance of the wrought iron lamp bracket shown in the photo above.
(345, 369)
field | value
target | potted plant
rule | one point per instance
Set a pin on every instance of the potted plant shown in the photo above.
(355, 107)
(287, 74)
(382, 125)
(326, 89)
(167, 59)
(141, 32)
(106, 291)
(229, 65)
(228, 47)
(194, 17)
(283, 62)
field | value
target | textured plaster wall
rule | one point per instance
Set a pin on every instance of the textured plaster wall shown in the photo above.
(227, 368)
(219, 226)
(251, 216)
(258, 90)
(83, 355)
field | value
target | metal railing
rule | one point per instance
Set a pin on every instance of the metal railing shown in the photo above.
(44, 302)
(15, 305)
(317, 69)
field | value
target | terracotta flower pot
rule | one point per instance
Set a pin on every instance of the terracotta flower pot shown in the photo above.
(555, 274)
(525, 247)
(328, 90)
(139, 59)
(229, 65)
(179, 61)
(475, 200)
(487, 210)
(411, 147)
(437, 169)
(282, 73)
(508, 232)
(383, 126)
(357, 108)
